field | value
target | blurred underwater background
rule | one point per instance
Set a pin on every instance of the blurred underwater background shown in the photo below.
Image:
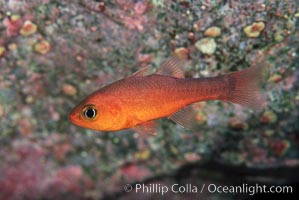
(55, 53)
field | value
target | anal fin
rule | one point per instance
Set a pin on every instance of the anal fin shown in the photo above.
(186, 117)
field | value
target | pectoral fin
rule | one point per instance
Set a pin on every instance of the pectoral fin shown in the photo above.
(185, 117)
(172, 67)
(147, 128)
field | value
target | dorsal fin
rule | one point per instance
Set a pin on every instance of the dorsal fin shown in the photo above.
(142, 72)
(185, 117)
(172, 67)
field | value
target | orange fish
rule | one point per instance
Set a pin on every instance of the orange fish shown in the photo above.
(138, 100)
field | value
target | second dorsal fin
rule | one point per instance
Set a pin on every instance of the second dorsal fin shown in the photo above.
(172, 67)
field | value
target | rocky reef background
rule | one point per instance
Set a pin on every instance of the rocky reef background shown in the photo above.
(54, 53)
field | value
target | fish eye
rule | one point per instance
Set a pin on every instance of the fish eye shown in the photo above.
(89, 112)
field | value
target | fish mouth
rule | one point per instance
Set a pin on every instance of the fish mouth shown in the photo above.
(74, 118)
(75, 114)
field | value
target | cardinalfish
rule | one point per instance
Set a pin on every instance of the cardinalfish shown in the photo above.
(140, 99)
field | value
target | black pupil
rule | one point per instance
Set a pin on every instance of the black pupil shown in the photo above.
(90, 113)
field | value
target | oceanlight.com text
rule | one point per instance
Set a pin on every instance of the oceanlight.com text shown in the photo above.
(244, 188)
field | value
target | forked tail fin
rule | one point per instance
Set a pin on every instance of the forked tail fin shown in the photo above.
(244, 87)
